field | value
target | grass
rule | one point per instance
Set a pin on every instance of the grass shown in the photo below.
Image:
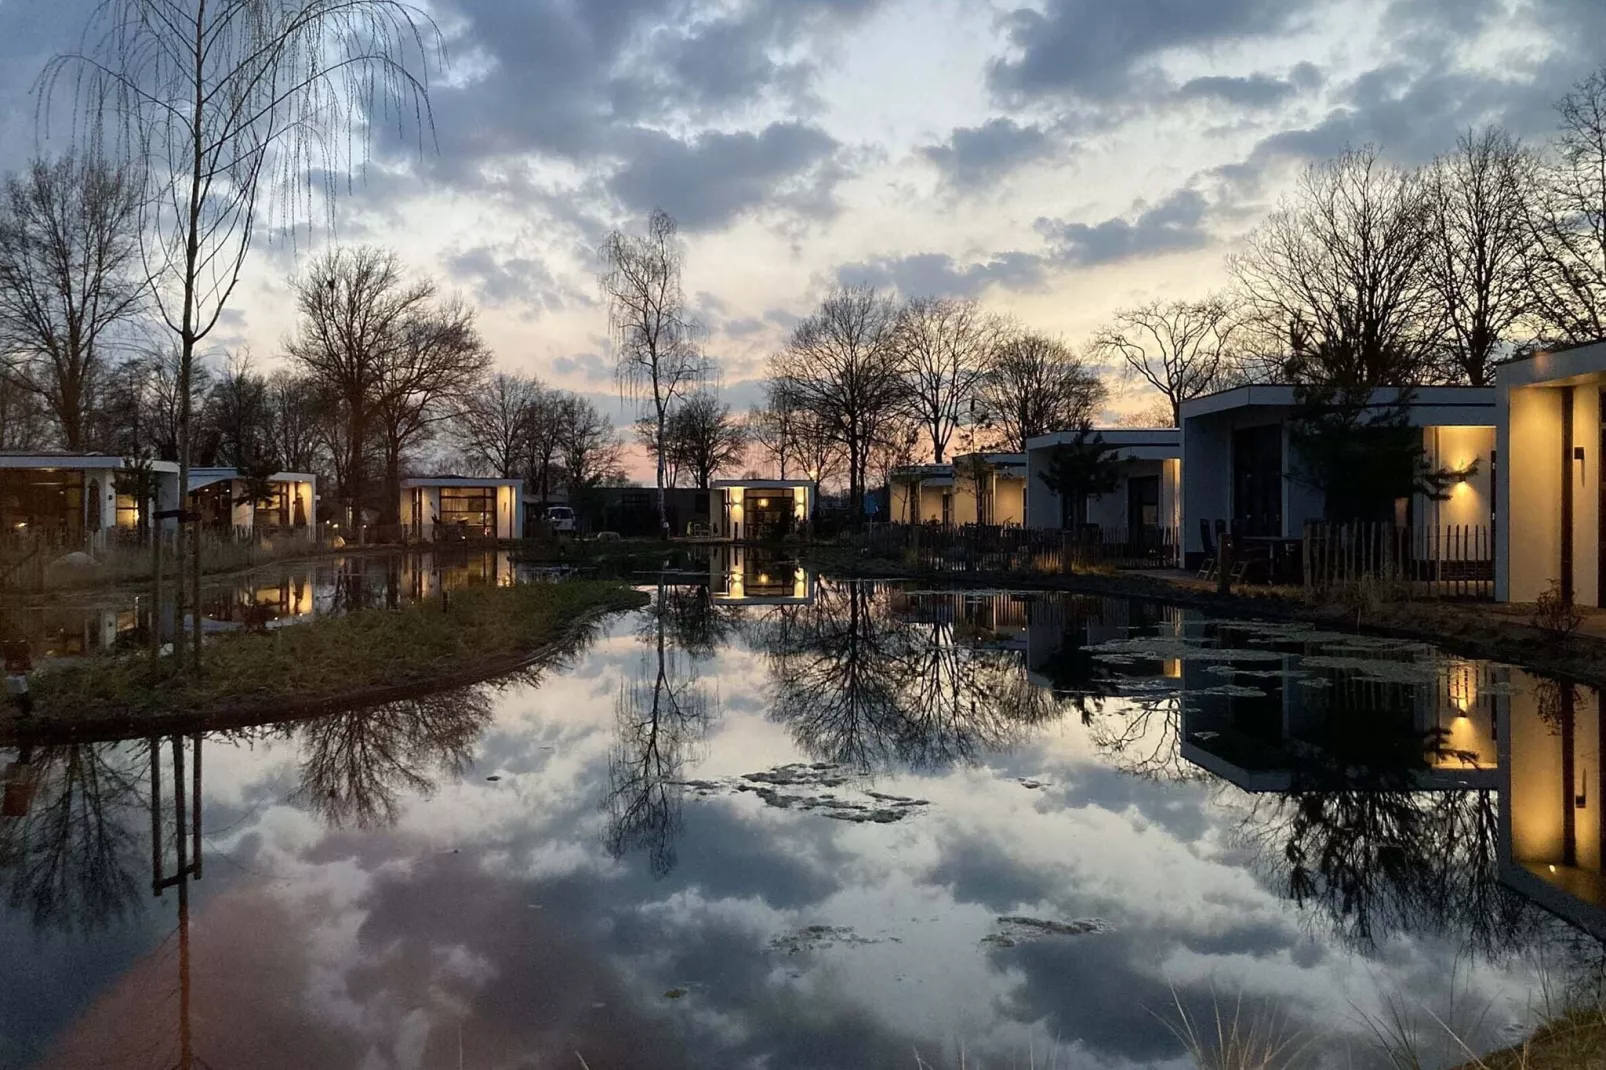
(1573, 1040)
(421, 644)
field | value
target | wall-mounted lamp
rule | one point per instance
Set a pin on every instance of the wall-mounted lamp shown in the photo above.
(1578, 453)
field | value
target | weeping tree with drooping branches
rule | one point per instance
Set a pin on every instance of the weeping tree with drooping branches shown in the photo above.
(239, 116)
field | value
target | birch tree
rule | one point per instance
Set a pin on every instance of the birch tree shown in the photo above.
(225, 107)
(654, 337)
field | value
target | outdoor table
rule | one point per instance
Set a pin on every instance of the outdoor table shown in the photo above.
(1281, 553)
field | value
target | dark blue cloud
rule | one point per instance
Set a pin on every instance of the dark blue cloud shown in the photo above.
(975, 155)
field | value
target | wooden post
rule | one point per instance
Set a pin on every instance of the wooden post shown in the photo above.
(1224, 564)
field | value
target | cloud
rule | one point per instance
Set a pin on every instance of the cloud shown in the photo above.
(1254, 91)
(1097, 50)
(708, 181)
(590, 367)
(975, 155)
(501, 279)
(1175, 224)
(939, 275)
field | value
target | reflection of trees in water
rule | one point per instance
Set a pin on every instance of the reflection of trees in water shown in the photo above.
(68, 860)
(1381, 861)
(694, 622)
(1143, 737)
(659, 715)
(862, 686)
(356, 765)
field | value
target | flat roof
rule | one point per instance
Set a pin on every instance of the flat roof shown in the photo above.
(459, 481)
(1431, 406)
(759, 484)
(74, 460)
(1554, 367)
(1160, 438)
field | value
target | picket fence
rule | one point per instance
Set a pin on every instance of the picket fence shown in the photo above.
(1453, 561)
(1012, 549)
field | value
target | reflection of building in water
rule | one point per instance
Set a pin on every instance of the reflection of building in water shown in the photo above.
(990, 619)
(1059, 629)
(1551, 826)
(423, 575)
(742, 575)
(74, 631)
(1278, 725)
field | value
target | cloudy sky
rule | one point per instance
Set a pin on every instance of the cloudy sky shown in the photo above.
(1057, 159)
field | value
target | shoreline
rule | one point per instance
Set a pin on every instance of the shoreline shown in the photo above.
(1482, 630)
(133, 722)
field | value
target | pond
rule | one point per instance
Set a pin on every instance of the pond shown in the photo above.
(791, 821)
(80, 622)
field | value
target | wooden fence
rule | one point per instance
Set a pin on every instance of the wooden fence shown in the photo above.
(1455, 561)
(1011, 549)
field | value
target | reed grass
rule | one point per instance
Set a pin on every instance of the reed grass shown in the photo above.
(324, 659)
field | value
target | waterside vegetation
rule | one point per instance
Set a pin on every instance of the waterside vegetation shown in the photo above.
(374, 655)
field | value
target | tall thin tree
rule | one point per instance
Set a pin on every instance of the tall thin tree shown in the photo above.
(654, 338)
(1180, 348)
(944, 345)
(226, 107)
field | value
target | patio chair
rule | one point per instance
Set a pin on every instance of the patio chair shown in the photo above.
(1207, 570)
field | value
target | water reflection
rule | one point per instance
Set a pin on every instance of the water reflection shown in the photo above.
(80, 623)
(874, 680)
(660, 714)
(1282, 807)
(358, 766)
(68, 839)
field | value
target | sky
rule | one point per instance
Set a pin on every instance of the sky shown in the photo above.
(1056, 160)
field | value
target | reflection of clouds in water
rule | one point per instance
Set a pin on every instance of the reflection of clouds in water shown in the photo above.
(492, 909)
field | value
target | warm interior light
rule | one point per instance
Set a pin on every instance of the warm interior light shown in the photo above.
(763, 503)
(1552, 869)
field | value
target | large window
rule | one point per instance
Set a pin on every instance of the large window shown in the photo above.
(1257, 480)
(42, 501)
(469, 510)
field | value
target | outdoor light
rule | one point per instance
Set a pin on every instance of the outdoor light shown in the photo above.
(1578, 453)
(763, 503)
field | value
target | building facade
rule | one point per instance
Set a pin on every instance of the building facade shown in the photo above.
(1551, 431)
(1241, 469)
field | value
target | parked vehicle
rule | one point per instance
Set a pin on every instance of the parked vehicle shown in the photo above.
(560, 518)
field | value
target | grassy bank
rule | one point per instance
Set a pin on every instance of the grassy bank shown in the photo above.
(1471, 629)
(1574, 1041)
(362, 656)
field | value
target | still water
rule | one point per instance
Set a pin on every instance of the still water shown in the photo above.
(783, 821)
(77, 623)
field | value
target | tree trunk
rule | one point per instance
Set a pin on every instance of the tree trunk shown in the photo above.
(391, 507)
(663, 504)
(354, 472)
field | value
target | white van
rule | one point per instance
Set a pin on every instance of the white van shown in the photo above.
(560, 518)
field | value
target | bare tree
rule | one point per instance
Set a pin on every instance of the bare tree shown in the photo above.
(704, 440)
(589, 444)
(1568, 271)
(69, 272)
(1481, 213)
(773, 427)
(654, 337)
(235, 425)
(354, 306)
(1341, 270)
(22, 419)
(544, 440)
(1181, 348)
(293, 421)
(493, 425)
(841, 364)
(944, 345)
(226, 107)
(437, 363)
(1036, 386)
